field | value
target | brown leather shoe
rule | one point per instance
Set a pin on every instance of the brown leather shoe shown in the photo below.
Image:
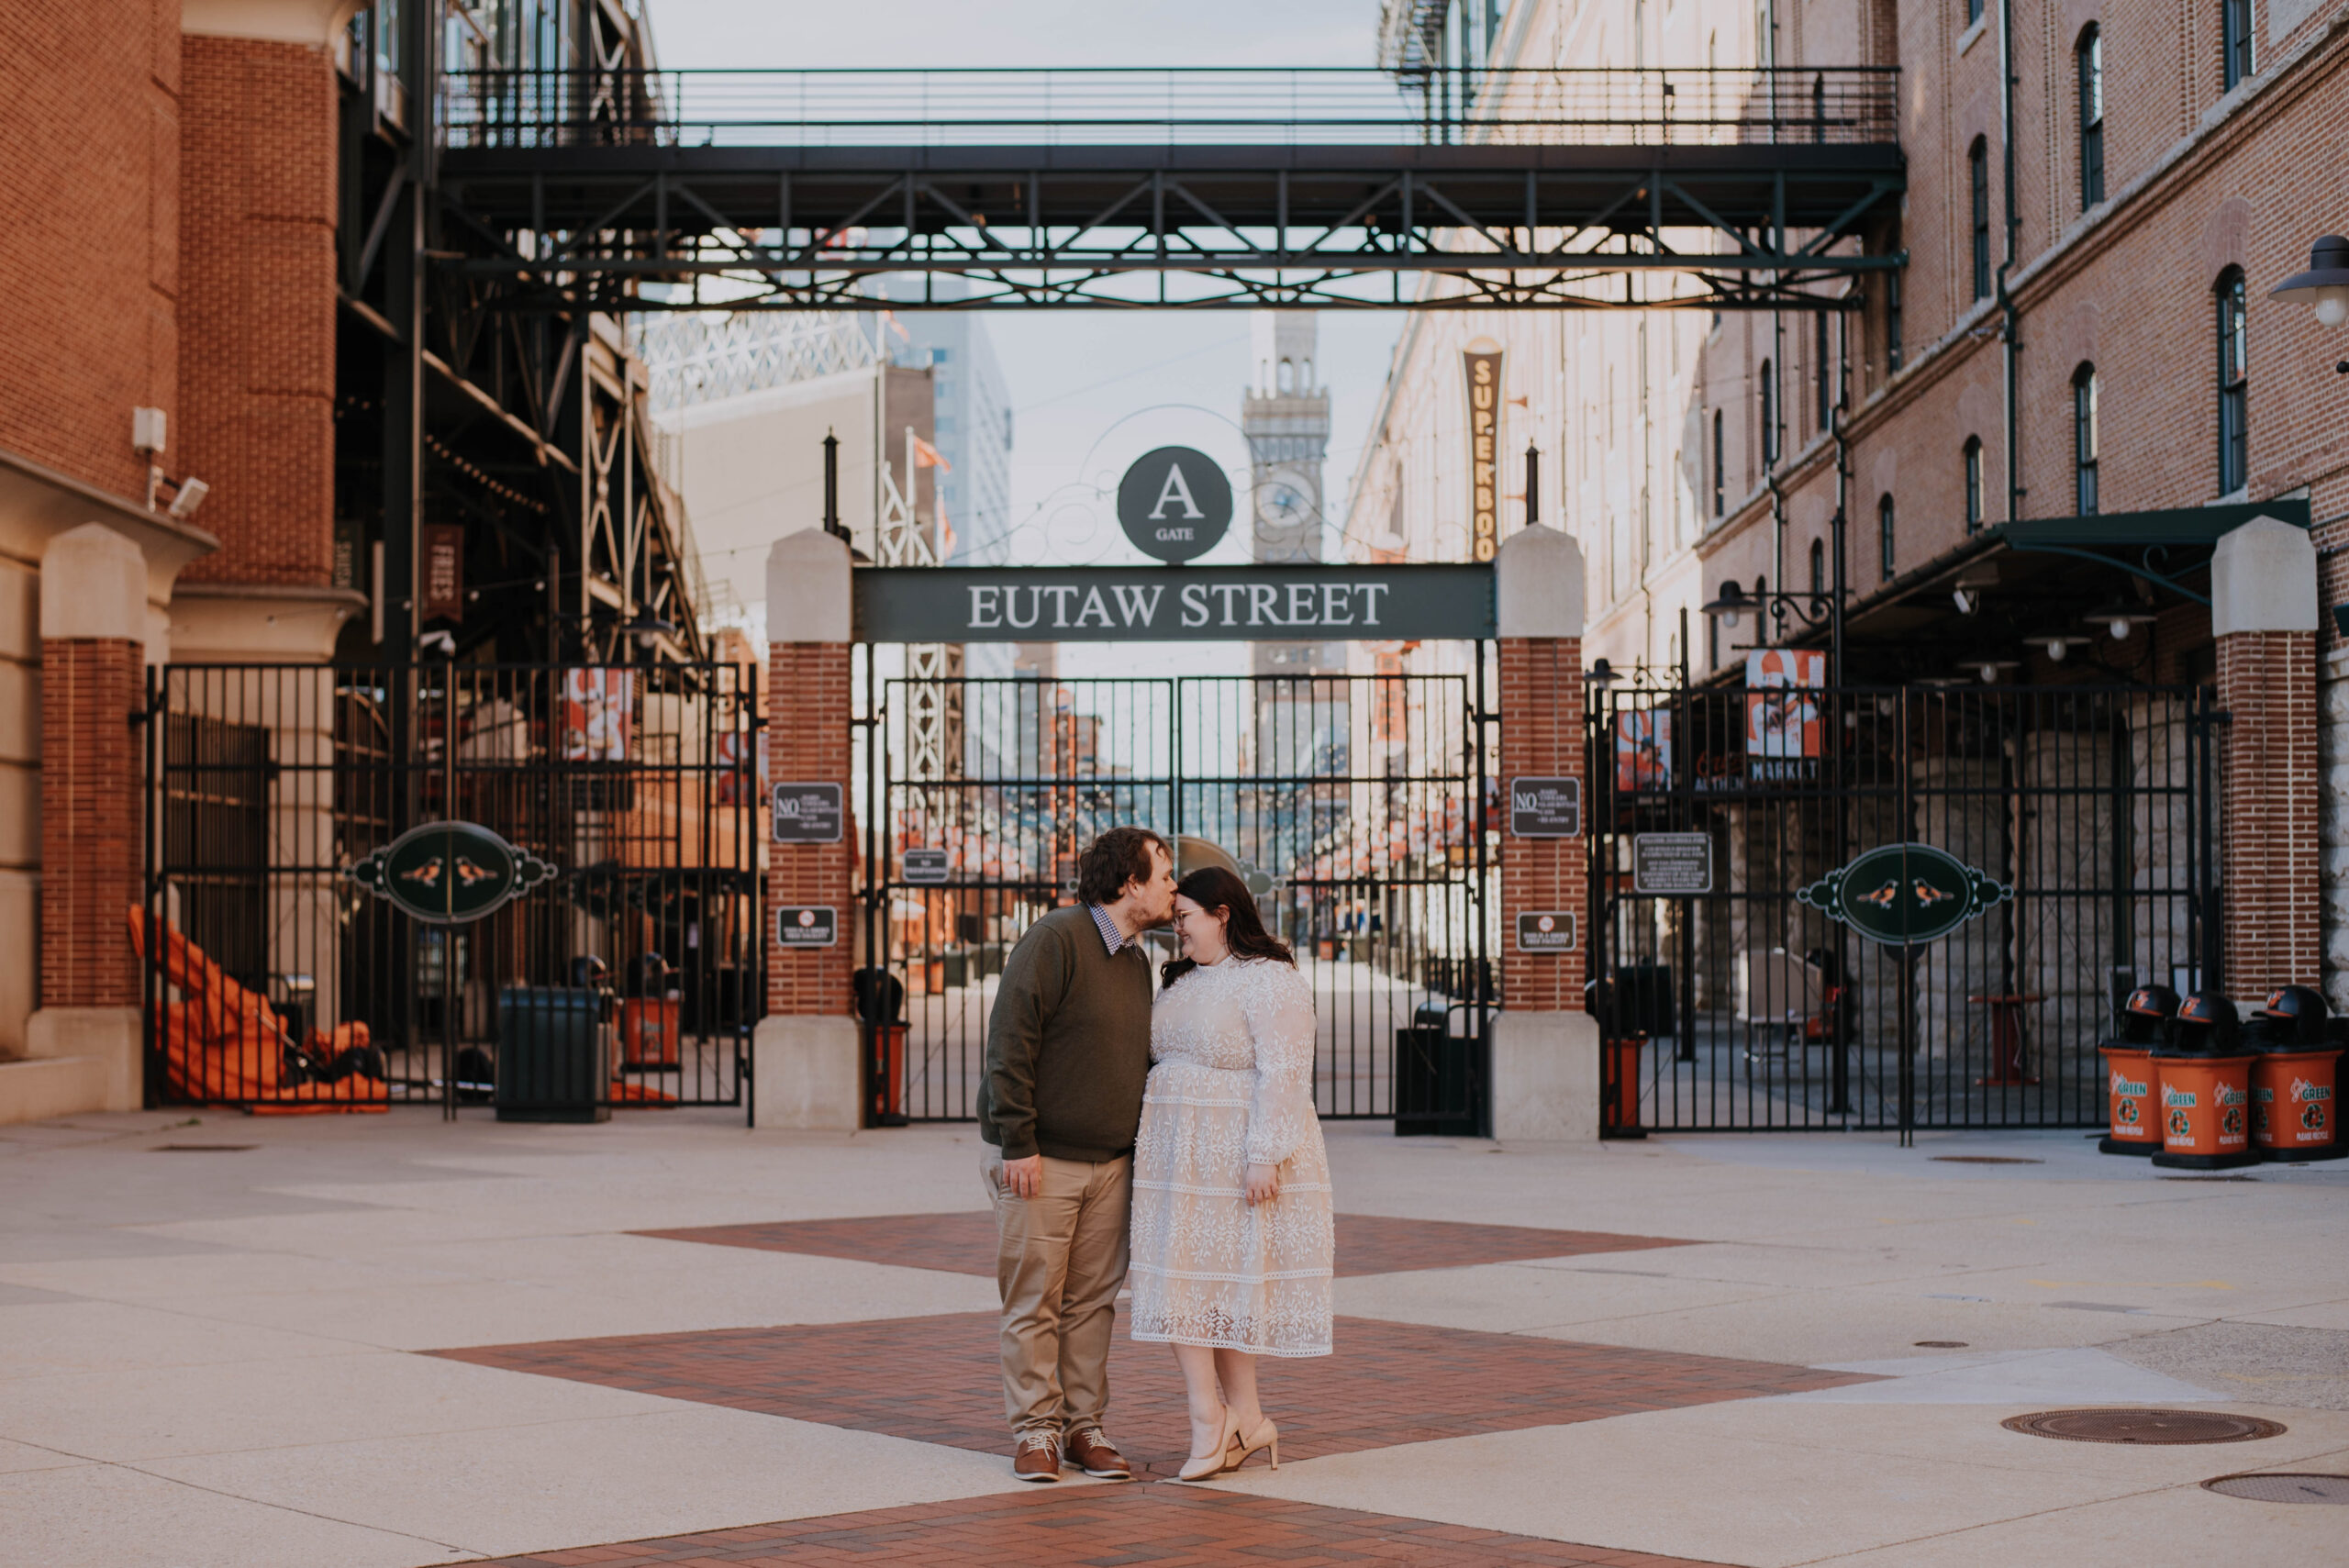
(1095, 1456)
(1038, 1457)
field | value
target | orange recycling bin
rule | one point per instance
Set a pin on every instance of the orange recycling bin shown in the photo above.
(649, 1032)
(885, 1075)
(2293, 1108)
(2206, 1111)
(2133, 1088)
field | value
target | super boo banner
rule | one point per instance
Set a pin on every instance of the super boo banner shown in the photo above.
(1150, 604)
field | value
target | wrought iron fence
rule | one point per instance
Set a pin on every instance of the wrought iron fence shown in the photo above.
(1191, 105)
(275, 977)
(1738, 999)
(1350, 804)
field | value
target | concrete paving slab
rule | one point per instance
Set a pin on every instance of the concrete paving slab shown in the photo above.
(2016, 1377)
(103, 1335)
(302, 1401)
(102, 1516)
(1644, 1484)
(571, 1482)
(2178, 1524)
(1513, 1298)
(16, 1456)
(2272, 1363)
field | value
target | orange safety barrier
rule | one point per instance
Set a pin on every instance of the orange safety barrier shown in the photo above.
(225, 1045)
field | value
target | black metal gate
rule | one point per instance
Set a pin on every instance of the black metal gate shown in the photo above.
(275, 981)
(1738, 1003)
(1351, 804)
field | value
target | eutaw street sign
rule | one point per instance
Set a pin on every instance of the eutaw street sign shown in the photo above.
(1158, 604)
(1897, 893)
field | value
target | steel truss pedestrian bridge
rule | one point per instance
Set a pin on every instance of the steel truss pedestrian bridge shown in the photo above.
(627, 188)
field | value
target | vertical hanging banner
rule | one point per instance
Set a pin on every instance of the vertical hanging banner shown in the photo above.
(1482, 361)
(441, 583)
(1643, 748)
(1785, 733)
(596, 707)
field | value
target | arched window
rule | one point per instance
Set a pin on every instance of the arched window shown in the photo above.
(1884, 535)
(1720, 469)
(2085, 442)
(1973, 484)
(1288, 375)
(1973, 12)
(2089, 56)
(1977, 187)
(2235, 42)
(2234, 385)
(1819, 566)
(1769, 415)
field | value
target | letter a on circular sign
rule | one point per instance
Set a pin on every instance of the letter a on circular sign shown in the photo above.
(448, 873)
(1174, 503)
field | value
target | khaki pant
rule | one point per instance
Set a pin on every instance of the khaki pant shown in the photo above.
(1059, 1258)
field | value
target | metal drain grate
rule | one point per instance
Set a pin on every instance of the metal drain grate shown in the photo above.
(2143, 1426)
(2283, 1488)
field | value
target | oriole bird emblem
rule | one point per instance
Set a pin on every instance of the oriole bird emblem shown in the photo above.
(469, 873)
(1882, 896)
(1927, 894)
(428, 874)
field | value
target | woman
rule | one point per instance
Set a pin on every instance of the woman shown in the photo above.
(1233, 1237)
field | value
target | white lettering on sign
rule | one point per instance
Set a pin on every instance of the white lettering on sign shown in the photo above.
(1370, 592)
(1094, 605)
(987, 607)
(1138, 606)
(1195, 605)
(1176, 488)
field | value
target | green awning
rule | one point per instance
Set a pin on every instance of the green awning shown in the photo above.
(2124, 530)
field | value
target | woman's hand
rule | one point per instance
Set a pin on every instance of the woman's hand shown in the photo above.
(1263, 1184)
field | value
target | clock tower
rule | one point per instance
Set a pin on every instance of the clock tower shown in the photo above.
(1286, 416)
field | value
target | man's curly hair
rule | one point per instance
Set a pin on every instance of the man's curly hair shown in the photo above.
(1118, 856)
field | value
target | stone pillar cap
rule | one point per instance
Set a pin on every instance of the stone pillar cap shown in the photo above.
(94, 584)
(1537, 585)
(808, 586)
(2263, 578)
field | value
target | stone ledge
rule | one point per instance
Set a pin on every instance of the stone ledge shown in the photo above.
(42, 1087)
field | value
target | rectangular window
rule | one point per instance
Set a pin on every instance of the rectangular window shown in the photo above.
(1883, 536)
(2085, 442)
(1892, 344)
(1977, 174)
(2091, 66)
(2234, 386)
(1826, 372)
(2235, 41)
(1973, 484)
(1720, 467)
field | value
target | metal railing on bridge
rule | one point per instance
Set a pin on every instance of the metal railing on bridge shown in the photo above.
(1318, 106)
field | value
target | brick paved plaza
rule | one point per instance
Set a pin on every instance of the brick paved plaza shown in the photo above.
(669, 1340)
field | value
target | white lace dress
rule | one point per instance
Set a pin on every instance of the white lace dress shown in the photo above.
(1230, 1085)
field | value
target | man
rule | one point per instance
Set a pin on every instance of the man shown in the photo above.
(1068, 1048)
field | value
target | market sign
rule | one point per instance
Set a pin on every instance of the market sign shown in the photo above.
(1899, 894)
(448, 873)
(1174, 503)
(1481, 361)
(1155, 603)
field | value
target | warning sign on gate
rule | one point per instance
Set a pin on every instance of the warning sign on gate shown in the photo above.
(807, 925)
(807, 813)
(1546, 809)
(926, 866)
(1666, 866)
(1545, 930)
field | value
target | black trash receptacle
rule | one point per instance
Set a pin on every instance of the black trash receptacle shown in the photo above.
(553, 1054)
(1434, 1081)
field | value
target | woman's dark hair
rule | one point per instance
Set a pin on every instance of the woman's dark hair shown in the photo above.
(1213, 888)
(1117, 856)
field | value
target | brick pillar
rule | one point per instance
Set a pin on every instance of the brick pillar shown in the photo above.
(1545, 1080)
(807, 1055)
(2264, 615)
(93, 659)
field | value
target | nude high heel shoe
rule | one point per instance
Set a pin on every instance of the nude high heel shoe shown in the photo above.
(1265, 1436)
(1201, 1467)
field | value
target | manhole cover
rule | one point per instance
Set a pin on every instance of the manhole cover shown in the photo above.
(1985, 1160)
(2284, 1488)
(1940, 1344)
(2144, 1426)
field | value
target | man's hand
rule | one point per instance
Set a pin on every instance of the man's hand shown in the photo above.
(1024, 1178)
(1263, 1184)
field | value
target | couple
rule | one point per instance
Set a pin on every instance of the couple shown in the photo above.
(1178, 1130)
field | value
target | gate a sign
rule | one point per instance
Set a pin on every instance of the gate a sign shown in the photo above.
(1899, 894)
(1174, 503)
(448, 873)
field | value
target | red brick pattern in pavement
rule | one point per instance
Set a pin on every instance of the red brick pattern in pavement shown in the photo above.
(1163, 1525)
(937, 1379)
(963, 1244)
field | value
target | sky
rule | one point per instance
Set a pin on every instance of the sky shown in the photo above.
(1090, 390)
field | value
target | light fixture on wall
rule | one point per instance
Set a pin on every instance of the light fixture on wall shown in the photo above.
(2324, 287)
(190, 495)
(2119, 620)
(1601, 673)
(1729, 604)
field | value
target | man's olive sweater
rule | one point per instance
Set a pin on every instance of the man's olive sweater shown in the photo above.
(1068, 1043)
